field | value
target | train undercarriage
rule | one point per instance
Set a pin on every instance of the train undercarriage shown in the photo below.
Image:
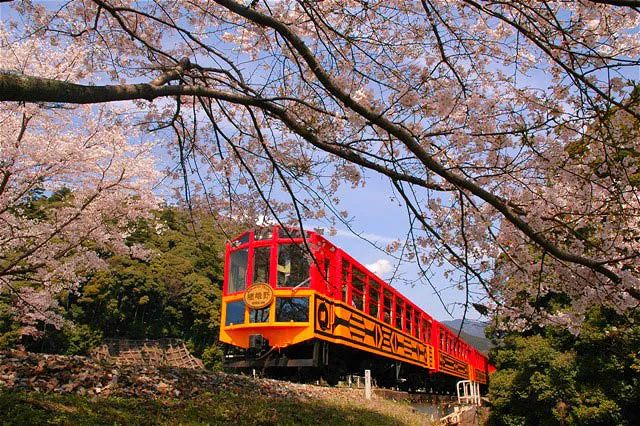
(315, 360)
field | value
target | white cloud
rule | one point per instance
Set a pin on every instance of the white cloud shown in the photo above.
(380, 267)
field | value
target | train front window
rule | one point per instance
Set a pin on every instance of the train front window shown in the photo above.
(235, 313)
(261, 262)
(293, 266)
(259, 315)
(238, 271)
(292, 309)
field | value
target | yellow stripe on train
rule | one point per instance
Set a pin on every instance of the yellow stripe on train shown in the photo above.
(331, 321)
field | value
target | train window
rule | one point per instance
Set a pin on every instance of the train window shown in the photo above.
(261, 263)
(345, 279)
(386, 306)
(357, 289)
(235, 313)
(399, 313)
(374, 298)
(294, 309)
(357, 300)
(259, 315)
(238, 271)
(293, 266)
(409, 322)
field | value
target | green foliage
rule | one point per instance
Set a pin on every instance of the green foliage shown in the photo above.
(175, 292)
(212, 357)
(72, 339)
(552, 377)
(9, 329)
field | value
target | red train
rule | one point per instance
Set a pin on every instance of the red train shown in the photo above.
(305, 303)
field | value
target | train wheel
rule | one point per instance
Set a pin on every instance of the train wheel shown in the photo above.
(333, 372)
(308, 374)
(332, 377)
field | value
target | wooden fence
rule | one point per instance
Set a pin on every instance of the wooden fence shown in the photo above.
(157, 353)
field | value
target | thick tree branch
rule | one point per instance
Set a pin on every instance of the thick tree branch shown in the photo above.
(15, 87)
(35, 89)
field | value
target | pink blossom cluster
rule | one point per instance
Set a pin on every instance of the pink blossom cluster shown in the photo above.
(94, 154)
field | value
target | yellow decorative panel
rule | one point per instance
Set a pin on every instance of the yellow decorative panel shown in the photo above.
(339, 323)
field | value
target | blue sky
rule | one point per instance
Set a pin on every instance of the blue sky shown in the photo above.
(381, 220)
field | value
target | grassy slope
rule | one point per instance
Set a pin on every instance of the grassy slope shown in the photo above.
(20, 408)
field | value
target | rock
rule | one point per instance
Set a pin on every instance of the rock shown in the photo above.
(163, 387)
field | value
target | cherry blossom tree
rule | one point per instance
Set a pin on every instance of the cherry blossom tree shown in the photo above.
(71, 179)
(473, 111)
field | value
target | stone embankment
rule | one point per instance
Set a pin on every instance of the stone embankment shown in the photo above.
(84, 376)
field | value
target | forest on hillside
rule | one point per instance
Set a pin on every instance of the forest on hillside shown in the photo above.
(169, 287)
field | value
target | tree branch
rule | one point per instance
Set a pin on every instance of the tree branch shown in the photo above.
(410, 141)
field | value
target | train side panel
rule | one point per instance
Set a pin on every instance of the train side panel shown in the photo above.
(339, 323)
